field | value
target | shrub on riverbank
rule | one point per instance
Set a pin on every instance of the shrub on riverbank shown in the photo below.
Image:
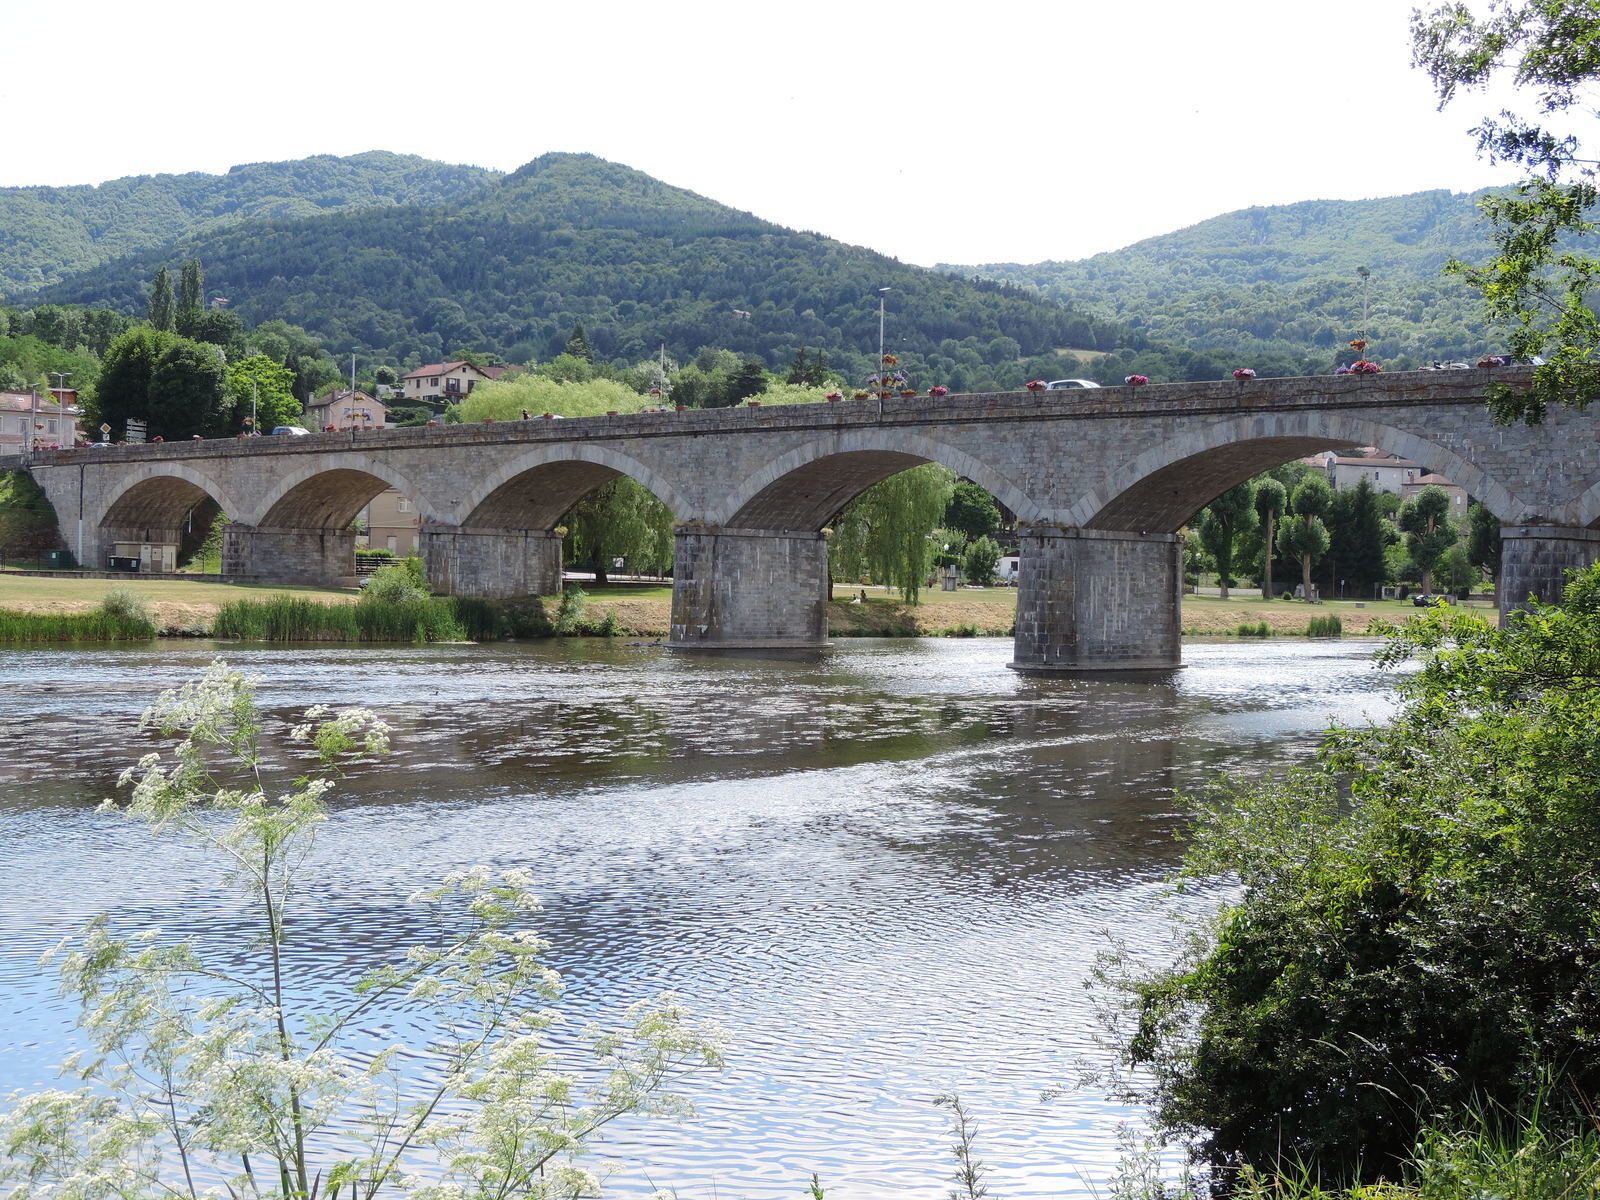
(1415, 932)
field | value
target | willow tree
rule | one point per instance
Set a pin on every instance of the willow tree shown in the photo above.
(886, 532)
(619, 519)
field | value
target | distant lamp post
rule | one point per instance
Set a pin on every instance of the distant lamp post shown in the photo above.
(61, 404)
(881, 298)
(1365, 275)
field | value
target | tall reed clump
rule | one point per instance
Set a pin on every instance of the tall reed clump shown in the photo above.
(123, 616)
(1259, 630)
(301, 619)
(1325, 627)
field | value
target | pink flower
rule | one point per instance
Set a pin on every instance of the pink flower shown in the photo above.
(1036, 385)
(938, 389)
(1244, 373)
(1136, 380)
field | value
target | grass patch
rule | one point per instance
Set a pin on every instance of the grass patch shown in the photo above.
(1329, 626)
(1259, 630)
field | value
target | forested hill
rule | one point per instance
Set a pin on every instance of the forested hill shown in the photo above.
(53, 232)
(1283, 281)
(513, 265)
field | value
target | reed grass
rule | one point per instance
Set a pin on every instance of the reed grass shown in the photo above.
(123, 616)
(285, 618)
(1325, 627)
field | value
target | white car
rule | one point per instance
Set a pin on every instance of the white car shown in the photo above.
(1056, 385)
(292, 431)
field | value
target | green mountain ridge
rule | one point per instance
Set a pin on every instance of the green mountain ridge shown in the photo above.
(1284, 280)
(54, 232)
(512, 266)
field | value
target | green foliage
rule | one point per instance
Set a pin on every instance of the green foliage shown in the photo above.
(1325, 627)
(1357, 538)
(520, 262)
(1414, 931)
(161, 309)
(1483, 540)
(1271, 502)
(1425, 521)
(186, 394)
(980, 560)
(1221, 522)
(27, 518)
(127, 604)
(222, 1069)
(620, 519)
(397, 582)
(572, 610)
(57, 231)
(260, 386)
(972, 511)
(1539, 281)
(1259, 630)
(886, 532)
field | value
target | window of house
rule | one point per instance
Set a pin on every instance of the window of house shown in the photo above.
(404, 505)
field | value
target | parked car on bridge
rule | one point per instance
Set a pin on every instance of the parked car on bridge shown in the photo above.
(291, 430)
(1056, 385)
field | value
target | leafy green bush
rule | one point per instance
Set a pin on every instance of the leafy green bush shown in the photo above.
(1259, 630)
(127, 604)
(399, 582)
(1419, 923)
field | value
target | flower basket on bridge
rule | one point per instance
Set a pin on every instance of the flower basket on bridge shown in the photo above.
(1243, 373)
(1363, 367)
(938, 389)
(834, 397)
(908, 393)
(1136, 380)
(1037, 385)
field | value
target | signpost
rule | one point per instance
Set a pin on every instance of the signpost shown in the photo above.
(135, 432)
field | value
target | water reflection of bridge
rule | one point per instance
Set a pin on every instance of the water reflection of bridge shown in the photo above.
(1101, 481)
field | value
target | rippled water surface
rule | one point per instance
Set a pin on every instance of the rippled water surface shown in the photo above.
(886, 868)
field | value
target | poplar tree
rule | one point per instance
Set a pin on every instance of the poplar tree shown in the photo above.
(161, 309)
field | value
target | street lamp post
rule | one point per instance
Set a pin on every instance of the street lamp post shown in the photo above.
(881, 298)
(61, 377)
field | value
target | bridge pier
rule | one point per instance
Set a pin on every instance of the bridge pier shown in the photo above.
(324, 557)
(491, 563)
(749, 589)
(1535, 559)
(1098, 600)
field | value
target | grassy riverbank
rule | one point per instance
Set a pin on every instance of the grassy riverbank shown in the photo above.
(182, 606)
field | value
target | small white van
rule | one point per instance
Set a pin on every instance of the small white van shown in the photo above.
(1005, 571)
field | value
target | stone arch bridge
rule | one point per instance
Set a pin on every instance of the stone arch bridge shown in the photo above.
(1101, 482)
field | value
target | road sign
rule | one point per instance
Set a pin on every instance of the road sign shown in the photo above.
(105, 429)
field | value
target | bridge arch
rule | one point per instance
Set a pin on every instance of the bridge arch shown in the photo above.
(1162, 488)
(160, 498)
(810, 485)
(329, 492)
(534, 490)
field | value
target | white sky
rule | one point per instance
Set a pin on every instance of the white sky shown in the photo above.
(987, 131)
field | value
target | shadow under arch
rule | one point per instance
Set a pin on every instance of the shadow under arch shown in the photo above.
(163, 500)
(535, 490)
(810, 485)
(1173, 481)
(329, 493)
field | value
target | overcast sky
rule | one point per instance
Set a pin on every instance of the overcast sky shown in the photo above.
(989, 131)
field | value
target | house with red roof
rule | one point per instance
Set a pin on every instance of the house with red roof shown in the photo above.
(452, 381)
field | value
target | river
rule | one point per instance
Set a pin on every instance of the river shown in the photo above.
(886, 868)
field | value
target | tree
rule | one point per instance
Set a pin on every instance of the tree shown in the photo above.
(191, 298)
(1425, 520)
(1271, 499)
(807, 370)
(972, 511)
(750, 381)
(258, 387)
(186, 393)
(577, 344)
(220, 1068)
(620, 519)
(1358, 537)
(980, 560)
(885, 533)
(1302, 533)
(1539, 282)
(1483, 540)
(1220, 524)
(160, 311)
(123, 389)
(1411, 935)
